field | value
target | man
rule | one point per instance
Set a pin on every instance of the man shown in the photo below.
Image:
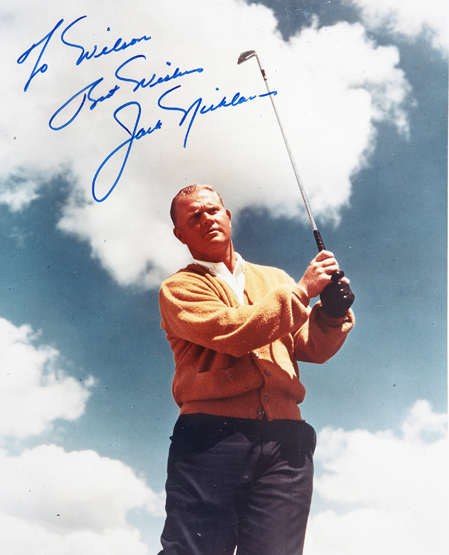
(240, 464)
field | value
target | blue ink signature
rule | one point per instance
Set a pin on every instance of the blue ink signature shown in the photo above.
(96, 52)
(152, 83)
(119, 45)
(43, 68)
(197, 106)
(94, 101)
(70, 110)
(134, 135)
(87, 92)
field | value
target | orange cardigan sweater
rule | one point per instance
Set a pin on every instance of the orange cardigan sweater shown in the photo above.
(241, 360)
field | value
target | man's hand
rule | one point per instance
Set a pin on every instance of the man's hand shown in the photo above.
(319, 273)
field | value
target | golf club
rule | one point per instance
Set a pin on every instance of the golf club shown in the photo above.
(244, 56)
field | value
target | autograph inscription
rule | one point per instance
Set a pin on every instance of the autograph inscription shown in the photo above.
(134, 135)
(125, 80)
(119, 45)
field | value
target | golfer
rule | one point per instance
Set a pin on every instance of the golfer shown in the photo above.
(240, 465)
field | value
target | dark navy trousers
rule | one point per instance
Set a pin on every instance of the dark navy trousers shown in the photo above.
(238, 483)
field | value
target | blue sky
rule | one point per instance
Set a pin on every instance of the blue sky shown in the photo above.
(86, 407)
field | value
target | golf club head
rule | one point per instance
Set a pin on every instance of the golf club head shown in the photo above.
(246, 56)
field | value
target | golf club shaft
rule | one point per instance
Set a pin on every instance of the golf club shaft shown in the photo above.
(319, 241)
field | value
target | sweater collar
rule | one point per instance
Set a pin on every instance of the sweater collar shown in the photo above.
(236, 281)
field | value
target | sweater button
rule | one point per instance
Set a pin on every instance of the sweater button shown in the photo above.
(267, 372)
(260, 412)
(256, 354)
(265, 399)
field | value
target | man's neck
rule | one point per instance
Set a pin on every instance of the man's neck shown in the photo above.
(228, 258)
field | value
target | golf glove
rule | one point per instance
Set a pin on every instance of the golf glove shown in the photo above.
(336, 298)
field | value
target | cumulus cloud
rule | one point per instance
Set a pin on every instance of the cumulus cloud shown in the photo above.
(334, 85)
(34, 389)
(53, 501)
(409, 18)
(383, 493)
(56, 502)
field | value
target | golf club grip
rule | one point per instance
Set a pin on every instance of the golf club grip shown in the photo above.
(336, 276)
(319, 240)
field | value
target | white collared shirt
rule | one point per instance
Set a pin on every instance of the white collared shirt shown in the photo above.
(236, 281)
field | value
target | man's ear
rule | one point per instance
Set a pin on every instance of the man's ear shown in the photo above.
(229, 214)
(178, 235)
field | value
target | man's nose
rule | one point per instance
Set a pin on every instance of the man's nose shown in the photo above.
(206, 218)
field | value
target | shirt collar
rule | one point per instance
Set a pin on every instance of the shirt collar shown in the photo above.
(220, 269)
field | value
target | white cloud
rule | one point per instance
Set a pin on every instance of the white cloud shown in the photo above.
(61, 503)
(87, 491)
(410, 18)
(18, 190)
(20, 537)
(34, 390)
(334, 85)
(55, 502)
(383, 493)
(51, 501)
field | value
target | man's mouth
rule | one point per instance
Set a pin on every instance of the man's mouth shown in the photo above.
(210, 231)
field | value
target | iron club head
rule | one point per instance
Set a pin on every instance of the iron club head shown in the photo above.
(246, 56)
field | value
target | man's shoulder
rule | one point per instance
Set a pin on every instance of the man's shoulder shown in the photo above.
(192, 271)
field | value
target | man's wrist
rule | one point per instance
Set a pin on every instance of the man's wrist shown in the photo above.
(334, 322)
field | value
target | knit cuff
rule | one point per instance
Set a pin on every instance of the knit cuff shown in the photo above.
(334, 322)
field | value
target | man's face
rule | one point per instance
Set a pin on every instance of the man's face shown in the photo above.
(203, 224)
